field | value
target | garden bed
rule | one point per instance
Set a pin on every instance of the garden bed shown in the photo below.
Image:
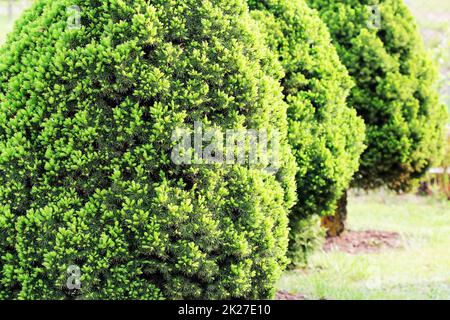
(356, 242)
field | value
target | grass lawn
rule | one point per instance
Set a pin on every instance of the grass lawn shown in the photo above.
(420, 269)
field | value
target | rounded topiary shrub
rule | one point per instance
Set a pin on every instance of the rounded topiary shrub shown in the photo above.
(380, 44)
(92, 204)
(326, 135)
(395, 93)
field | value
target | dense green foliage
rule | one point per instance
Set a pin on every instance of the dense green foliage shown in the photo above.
(380, 44)
(86, 177)
(326, 135)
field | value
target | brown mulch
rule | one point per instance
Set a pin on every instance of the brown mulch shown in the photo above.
(284, 295)
(355, 242)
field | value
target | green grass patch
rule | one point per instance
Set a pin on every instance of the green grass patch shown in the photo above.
(419, 270)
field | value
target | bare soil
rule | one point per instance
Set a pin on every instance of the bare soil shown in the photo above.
(284, 295)
(356, 242)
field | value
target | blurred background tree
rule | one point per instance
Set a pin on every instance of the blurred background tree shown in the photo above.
(396, 93)
(433, 17)
(9, 11)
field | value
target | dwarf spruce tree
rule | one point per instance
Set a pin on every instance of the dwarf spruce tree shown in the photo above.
(380, 44)
(326, 135)
(92, 203)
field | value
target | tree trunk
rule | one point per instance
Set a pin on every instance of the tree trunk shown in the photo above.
(335, 225)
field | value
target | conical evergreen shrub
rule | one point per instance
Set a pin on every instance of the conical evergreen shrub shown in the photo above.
(379, 42)
(326, 135)
(91, 204)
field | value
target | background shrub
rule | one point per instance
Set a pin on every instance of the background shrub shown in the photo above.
(395, 92)
(326, 135)
(86, 177)
(380, 44)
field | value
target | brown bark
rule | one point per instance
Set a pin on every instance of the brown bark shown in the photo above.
(335, 225)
